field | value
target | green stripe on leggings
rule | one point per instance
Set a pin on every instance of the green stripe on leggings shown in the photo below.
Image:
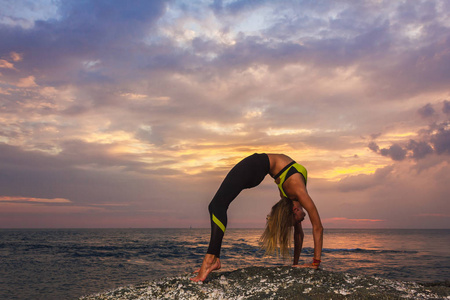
(217, 221)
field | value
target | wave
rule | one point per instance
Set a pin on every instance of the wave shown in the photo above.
(161, 249)
(359, 250)
(242, 247)
(309, 250)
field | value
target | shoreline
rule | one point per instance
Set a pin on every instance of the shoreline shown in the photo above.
(277, 283)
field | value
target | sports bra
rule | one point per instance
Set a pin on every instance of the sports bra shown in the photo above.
(287, 171)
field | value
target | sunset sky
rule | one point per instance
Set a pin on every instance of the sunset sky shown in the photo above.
(130, 113)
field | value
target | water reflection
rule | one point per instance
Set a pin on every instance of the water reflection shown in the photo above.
(89, 260)
(399, 254)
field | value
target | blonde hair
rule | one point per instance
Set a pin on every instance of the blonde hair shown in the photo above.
(276, 238)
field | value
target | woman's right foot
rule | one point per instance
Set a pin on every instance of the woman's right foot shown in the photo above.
(210, 263)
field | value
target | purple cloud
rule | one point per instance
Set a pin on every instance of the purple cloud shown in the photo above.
(426, 111)
(396, 152)
(446, 107)
(419, 149)
(441, 139)
(147, 104)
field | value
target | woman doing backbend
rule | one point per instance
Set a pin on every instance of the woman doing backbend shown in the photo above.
(287, 213)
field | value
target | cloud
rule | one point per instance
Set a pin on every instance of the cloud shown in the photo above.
(446, 107)
(419, 149)
(431, 140)
(6, 65)
(365, 181)
(151, 103)
(16, 56)
(426, 111)
(83, 31)
(396, 152)
(27, 82)
(396, 194)
(17, 199)
(437, 142)
(441, 139)
(373, 146)
(4, 92)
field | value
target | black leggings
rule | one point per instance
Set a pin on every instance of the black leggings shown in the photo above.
(248, 173)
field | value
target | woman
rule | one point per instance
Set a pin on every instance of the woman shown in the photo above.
(291, 180)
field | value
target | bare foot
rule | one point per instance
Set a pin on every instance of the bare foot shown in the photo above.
(210, 263)
(306, 266)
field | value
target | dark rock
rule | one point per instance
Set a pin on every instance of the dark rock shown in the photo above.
(278, 283)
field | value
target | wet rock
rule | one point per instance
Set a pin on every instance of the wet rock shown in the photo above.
(278, 283)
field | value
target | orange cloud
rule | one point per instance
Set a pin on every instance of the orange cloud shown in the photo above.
(4, 92)
(27, 82)
(6, 64)
(35, 208)
(33, 200)
(16, 56)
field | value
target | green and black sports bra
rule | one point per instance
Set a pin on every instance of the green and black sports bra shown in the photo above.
(287, 171)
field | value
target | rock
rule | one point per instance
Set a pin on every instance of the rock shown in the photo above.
(277, 283)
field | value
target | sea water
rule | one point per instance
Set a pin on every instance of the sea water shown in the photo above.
(69, 263)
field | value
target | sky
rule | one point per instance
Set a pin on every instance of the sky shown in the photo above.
(131, 113)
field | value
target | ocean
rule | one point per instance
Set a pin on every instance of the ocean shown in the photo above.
(70, 263)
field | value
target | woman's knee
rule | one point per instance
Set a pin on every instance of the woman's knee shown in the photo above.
(217, 207)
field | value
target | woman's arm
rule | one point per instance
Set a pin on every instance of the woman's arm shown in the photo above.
(298, 241)
(317, 230)
(307, 203)
(296, 190)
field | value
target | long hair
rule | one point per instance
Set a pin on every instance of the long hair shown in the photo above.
(277, 235)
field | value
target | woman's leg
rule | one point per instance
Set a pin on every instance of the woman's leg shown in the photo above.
(246, 174)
